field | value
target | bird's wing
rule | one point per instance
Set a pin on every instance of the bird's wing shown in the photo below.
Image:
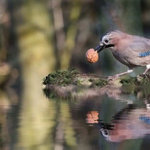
(141, 46)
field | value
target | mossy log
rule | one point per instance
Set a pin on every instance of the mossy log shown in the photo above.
(70, 83)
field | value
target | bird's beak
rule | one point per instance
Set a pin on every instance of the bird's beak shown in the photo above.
(100, 47)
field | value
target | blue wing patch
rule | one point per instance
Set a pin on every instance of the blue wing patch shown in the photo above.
(144, 54)
(145, 119)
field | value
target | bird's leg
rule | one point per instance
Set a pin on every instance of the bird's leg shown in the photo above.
(147, 68)
(120, 74)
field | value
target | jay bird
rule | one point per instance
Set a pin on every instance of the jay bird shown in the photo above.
(130, 50)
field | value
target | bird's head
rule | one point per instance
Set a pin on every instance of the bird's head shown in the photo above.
(109, 40)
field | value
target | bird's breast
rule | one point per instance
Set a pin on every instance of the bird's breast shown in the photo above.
(125, 58)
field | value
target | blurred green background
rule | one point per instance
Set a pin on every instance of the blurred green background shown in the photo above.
(41, 36)
(55, 34)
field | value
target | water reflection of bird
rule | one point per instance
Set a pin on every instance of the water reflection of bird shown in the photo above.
(129, 123)
(132, 51)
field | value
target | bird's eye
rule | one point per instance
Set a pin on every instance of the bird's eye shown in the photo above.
(106, 41)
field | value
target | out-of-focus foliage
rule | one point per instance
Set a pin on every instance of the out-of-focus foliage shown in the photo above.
(40, 36)
(69, 28)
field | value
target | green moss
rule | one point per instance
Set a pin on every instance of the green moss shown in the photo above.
(79, 82)
(139, 80)
(128, 81)
(98, 82)
(62, 78)
(49, 93)
(67, 77)
(143, 91)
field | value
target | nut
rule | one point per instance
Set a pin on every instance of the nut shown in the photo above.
(92, 55)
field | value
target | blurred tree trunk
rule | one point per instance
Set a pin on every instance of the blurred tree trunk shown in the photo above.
(129, 14)
(4, 32)
(124, 15)
(65, 40)
(34, 32)
(71, 34)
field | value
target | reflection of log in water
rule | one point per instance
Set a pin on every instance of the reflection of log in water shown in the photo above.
(79, 92)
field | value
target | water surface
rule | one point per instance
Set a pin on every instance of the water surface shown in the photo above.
(84, 119)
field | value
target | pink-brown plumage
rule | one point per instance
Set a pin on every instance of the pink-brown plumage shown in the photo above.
(130, 50)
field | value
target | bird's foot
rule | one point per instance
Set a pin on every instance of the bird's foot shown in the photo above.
(113, 77)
